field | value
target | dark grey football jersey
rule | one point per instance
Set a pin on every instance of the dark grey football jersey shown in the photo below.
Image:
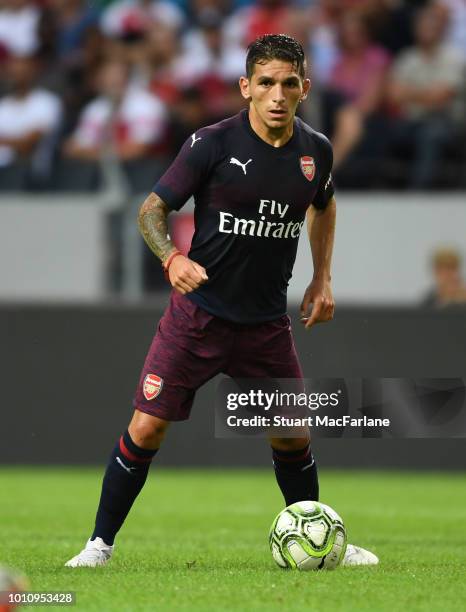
(250, 204)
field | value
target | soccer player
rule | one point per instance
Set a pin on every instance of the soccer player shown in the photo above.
(256, 177)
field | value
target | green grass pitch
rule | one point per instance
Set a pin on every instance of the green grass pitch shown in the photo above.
(197, 540)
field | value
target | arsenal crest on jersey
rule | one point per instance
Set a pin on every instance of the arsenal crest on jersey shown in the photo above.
(308, 167)
(152, 386)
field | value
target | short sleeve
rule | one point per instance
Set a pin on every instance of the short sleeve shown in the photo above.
(189, 171)
(326, 189)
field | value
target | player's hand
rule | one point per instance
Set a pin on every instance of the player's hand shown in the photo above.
(319, 294)
(186, 275)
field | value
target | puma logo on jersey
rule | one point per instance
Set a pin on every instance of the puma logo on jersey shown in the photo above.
(194, 139)
(236, 162)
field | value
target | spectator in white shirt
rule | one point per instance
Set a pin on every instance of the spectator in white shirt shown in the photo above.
(28, 114)
(456, 18)
(125, 119)
(124, 17)
(425, 88)
(208, 51)
(19, 26)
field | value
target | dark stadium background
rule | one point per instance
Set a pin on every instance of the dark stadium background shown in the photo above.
(80, 295)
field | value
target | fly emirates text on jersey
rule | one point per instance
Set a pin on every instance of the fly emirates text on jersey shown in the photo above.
(229, 224)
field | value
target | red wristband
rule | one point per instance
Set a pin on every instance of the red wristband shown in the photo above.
(168, 262)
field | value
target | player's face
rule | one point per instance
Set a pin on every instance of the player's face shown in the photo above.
(275, 90)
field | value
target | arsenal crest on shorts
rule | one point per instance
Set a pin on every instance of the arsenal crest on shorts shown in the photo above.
(152, 386)
(308, 167)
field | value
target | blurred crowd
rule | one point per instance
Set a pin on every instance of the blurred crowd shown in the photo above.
(448, 287)
(132, 79)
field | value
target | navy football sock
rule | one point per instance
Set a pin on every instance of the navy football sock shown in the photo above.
(296, 474)
(124, 478)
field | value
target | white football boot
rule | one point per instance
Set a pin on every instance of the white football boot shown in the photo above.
(96, 553)
(355, 555)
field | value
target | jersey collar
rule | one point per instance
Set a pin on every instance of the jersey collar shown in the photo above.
(245, 120)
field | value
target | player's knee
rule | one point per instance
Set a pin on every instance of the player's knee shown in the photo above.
(147, 431)
(290, 444)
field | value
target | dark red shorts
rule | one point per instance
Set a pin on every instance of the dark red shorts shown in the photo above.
(192, 346)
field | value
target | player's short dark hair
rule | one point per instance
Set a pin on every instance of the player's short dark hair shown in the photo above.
(275, 46)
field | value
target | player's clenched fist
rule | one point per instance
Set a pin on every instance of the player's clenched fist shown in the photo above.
(186, 275)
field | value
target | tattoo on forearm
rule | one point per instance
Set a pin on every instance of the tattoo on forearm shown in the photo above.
(152, 221)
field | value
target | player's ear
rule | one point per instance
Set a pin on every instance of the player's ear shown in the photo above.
(244, 87)
(306, 89)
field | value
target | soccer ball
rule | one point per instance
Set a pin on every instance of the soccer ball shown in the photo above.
(308, 535)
